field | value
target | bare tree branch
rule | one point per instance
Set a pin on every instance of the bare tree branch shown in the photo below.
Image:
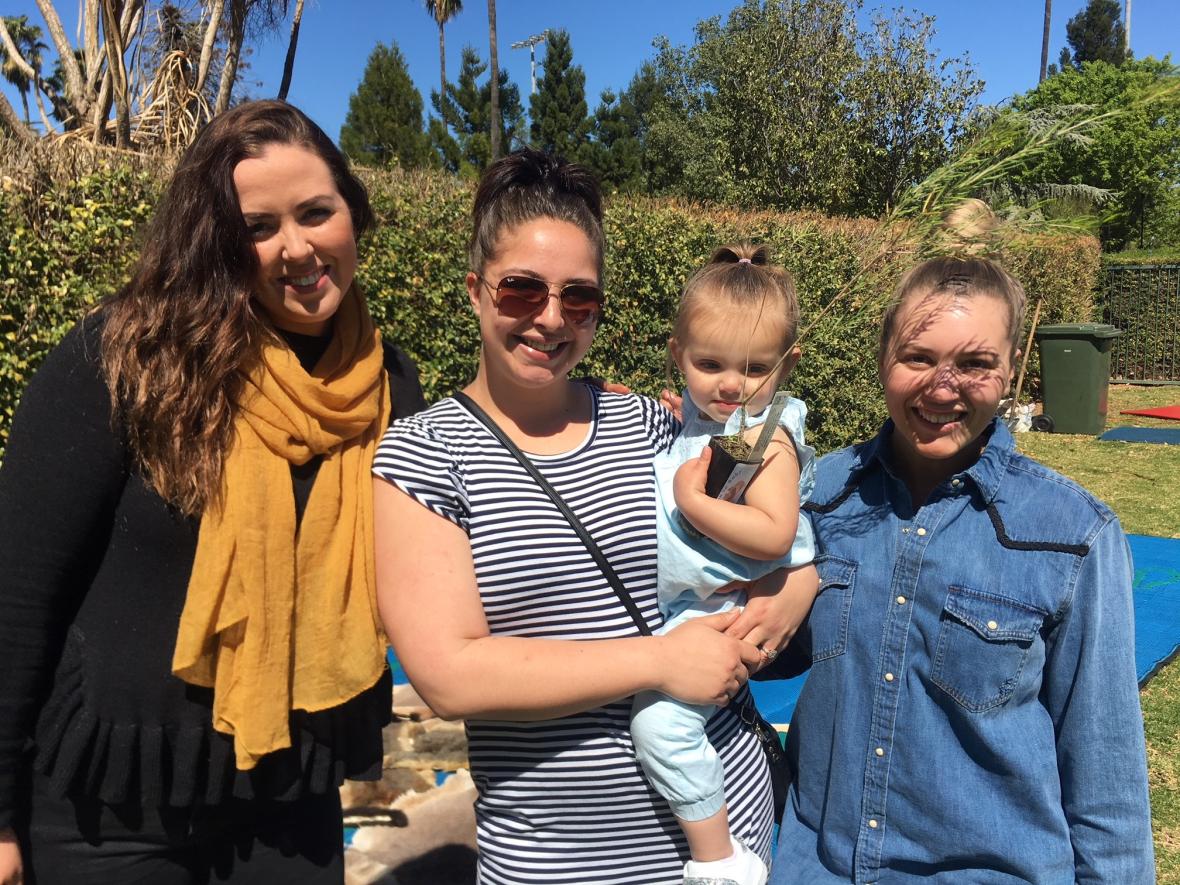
(94, 72)
(102, 107)
(117, 67)
(11, 121)
(233, 52)
(215, 10)
(289, 61)
(49, 127)
(90, 47)
(75, 93)
(14, 53)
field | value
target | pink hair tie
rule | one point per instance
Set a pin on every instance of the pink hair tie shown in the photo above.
(744, 261)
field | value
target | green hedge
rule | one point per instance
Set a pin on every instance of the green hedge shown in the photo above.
(67, 239)
(1142, 258)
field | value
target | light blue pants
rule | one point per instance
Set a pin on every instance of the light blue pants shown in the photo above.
(669, 735)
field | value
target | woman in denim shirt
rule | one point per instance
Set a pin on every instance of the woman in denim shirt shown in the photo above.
(972, 713)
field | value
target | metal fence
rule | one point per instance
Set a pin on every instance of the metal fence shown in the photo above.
(1143, 301)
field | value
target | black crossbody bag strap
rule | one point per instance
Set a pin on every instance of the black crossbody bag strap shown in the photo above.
(576, 524)
(748, 713)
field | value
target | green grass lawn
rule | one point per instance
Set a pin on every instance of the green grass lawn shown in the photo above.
(1139, 481)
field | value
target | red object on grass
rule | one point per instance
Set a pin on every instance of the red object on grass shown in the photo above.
(1172, 412)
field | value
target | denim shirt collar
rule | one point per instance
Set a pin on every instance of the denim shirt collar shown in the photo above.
(986, 473)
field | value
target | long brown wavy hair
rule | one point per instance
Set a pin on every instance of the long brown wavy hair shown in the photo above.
(180, 337)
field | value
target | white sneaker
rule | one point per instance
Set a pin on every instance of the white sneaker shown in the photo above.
(744, 868)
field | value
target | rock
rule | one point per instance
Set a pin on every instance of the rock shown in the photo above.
(408, 704)
(428, 839)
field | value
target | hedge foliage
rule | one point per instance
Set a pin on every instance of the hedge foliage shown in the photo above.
(68, 236)
(1142, 258)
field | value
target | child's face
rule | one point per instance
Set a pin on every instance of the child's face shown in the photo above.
(724, 357)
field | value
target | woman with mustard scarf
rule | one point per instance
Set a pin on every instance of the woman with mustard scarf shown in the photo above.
(188, 602)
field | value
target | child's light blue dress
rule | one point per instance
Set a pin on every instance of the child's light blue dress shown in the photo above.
(669, 735)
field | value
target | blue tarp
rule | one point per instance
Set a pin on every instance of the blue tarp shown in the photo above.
(1157, 624)
(1168, 436)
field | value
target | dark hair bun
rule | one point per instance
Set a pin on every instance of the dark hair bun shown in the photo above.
(529, 169)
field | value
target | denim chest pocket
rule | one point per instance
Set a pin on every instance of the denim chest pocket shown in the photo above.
(828, 621)
(983, 645)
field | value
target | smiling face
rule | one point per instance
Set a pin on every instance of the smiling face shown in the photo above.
(303, 236)
(537, 348)
(945, 370)
(723, 359)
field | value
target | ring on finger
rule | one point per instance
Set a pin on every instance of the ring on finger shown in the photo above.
(768, 654)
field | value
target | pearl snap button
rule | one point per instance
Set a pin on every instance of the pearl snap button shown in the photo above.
(992, 625)
(873, 823)
(888, 677)
(901, 600)
(921, 531)
(879, 751)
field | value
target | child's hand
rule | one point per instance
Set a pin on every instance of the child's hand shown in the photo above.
(689, 483)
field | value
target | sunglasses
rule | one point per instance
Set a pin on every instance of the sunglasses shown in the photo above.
(516, 296)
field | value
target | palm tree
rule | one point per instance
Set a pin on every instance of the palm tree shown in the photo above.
(27, 39)
(289, 62)
(1045, 41)
(442, 11)
(495, 66)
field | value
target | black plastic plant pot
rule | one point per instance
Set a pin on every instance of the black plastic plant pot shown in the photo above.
(723, 467)
(727, 477)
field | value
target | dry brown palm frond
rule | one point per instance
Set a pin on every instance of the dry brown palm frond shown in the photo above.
(172, 110)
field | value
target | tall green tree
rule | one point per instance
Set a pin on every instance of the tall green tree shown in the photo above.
(442, 11)
(908, 109)
(616, 152)
(620, 129)
(792, 104)
(1095, 34)
(559, 113)
(384, 121)
(467, 112)
(1136, 155)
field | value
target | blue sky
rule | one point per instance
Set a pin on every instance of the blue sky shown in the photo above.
(611, 38)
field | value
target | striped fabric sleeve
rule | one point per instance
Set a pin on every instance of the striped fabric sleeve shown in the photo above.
(414, 457)
(661, 424)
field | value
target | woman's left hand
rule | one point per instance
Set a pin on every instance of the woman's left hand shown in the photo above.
(776, 605)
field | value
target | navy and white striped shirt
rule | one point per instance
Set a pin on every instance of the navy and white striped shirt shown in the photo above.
(563, 800)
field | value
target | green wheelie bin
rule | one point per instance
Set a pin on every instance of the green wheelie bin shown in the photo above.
(1075, 376)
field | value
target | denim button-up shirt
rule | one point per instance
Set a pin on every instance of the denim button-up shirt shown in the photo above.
(972, 713)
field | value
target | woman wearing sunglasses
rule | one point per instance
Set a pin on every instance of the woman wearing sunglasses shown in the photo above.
(489, 594)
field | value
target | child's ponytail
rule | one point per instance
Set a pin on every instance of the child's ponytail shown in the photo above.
(743, 253)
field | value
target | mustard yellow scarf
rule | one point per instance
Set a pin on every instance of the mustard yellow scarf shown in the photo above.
(275, 620)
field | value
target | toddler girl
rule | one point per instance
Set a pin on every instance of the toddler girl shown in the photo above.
(734, 343)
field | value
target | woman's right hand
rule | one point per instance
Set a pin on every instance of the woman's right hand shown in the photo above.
(672, 401)
(10, 860)
(701, 665)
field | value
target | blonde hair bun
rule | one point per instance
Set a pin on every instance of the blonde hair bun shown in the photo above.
(968, 229)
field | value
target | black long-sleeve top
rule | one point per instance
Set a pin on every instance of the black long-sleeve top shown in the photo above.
(94, 568)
